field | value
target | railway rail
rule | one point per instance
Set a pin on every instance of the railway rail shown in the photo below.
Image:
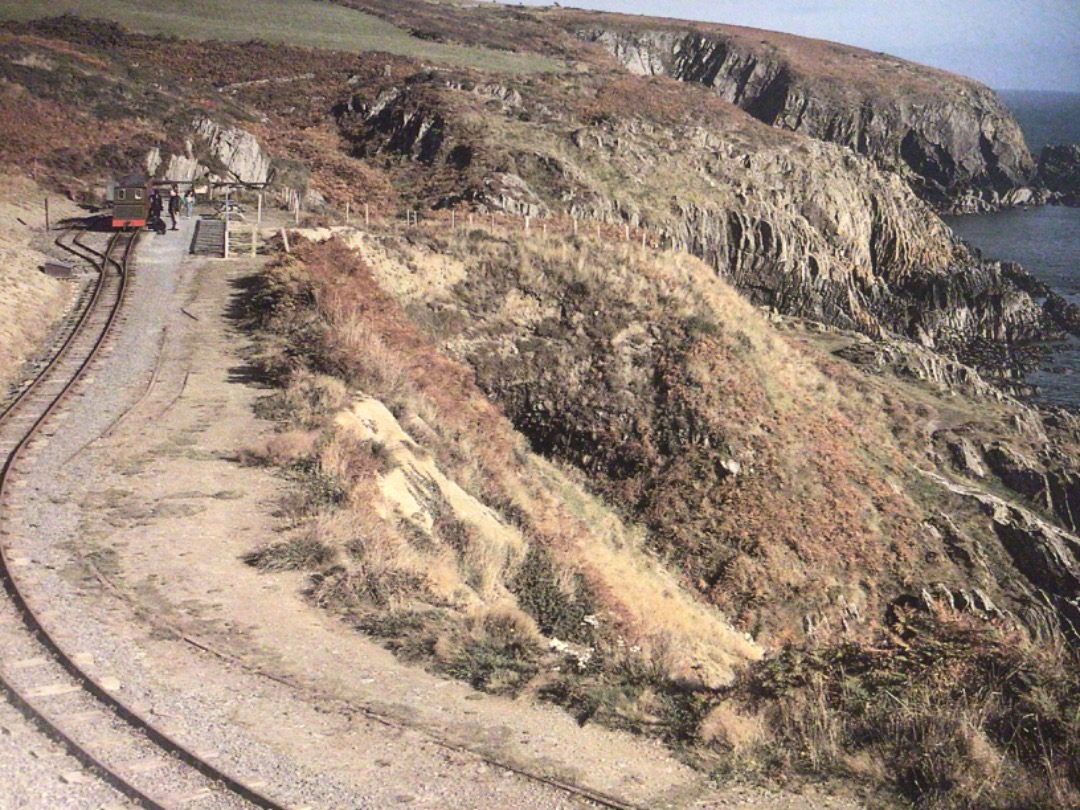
(40, 674)
(43, 673)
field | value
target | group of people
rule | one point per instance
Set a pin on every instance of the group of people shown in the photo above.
(157, 205)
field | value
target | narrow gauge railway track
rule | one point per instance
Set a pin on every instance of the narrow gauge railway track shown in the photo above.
(38, 673)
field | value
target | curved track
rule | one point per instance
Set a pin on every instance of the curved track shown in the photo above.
(38, 673)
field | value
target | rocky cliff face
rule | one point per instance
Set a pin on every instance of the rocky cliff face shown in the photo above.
(1059, 173)
(221, 152)
(950, 138)
(802, 226)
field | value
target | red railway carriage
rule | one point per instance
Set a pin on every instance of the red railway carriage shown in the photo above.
(131, 200)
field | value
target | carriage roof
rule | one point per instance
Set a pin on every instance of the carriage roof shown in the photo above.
(134, 180)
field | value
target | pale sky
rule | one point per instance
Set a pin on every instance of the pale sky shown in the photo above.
(1007, 44)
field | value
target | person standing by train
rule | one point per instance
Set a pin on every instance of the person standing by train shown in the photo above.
(189, 201)
(155, 219)
(174, 205)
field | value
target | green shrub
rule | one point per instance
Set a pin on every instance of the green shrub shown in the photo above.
(961, 714)
(297, 554)
(557, 613)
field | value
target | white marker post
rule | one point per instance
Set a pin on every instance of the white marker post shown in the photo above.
(227, 207)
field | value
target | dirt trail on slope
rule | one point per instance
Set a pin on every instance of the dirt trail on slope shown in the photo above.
(167, 528)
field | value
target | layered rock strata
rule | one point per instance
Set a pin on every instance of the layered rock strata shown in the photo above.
(801, 226)
(950, 138)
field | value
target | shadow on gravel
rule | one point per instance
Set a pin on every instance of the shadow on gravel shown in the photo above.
(239, 313)
(96, 223)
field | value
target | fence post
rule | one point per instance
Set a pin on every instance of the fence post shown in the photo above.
(46, 215)
(367, 216)
(626, 232)
(227, 213)
(453, 220)
(526, 223)
(346, 212)
(597, 230)
(254, 238)
(285, 239)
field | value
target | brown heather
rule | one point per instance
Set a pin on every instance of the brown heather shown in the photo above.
(649, 375)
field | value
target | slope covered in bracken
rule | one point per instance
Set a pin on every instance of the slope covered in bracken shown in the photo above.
(713, 475)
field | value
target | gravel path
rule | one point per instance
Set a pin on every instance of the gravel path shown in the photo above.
(135, 522)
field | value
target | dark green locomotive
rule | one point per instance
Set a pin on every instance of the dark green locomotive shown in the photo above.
(131, 201)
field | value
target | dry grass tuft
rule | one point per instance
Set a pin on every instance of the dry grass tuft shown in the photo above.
(297, 554)
(282, 449)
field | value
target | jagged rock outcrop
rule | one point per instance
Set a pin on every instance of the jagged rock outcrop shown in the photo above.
(1030, 464)
(1059, 172)
(801, 226)
(907, 359)
(241, 156)
(950, 138)
(1050, 484)
(216, 151)
(1045, 555)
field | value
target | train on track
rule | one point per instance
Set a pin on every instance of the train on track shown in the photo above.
(131, 201)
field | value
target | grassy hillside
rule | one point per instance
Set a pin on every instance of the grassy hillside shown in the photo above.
(325, 27)
(670, 470)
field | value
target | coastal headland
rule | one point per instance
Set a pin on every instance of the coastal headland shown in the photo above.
(615, 363)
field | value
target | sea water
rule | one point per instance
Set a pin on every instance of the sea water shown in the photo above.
(1045, 240)
(1047, 118)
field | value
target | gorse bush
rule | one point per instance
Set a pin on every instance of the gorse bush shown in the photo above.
(558, 611)
(633, 692)
(296, 554)
(959, 714)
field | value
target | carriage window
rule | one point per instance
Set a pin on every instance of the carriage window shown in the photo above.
(138, 194)
(120, 193)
